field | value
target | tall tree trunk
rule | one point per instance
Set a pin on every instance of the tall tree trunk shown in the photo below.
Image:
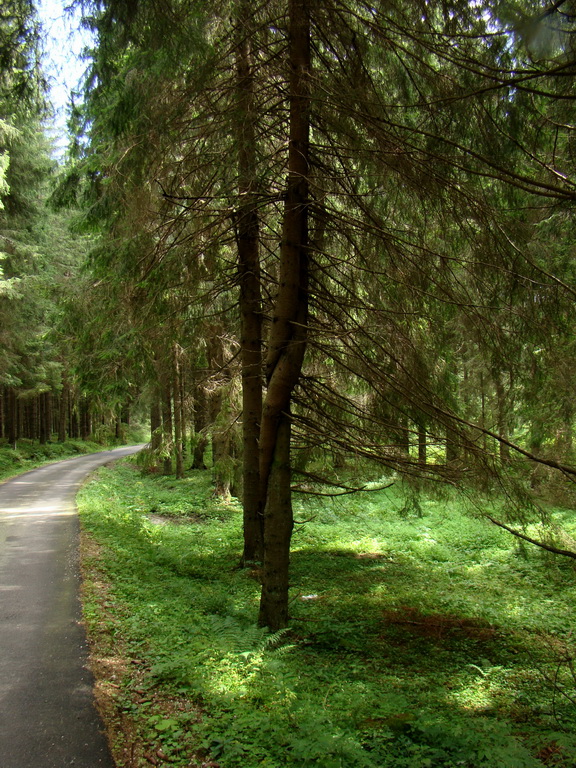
(167, 434)
(183, 409)
(85, 420)
(502, 416)
(178, 418)
(48, 415)
(219, 409)
(422, 442)
(155, 420)
(564, 442)
(63, 411)
(452, 445)
(288, 334)
(19, 416)
(33, 430)
(200, 423)
(41, 422)
(247, 235)
(73, 416)
(403, 434)
(11, 417)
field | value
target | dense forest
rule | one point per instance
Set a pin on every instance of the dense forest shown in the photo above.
(322, 247)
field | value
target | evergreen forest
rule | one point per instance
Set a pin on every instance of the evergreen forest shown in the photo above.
(319, 256)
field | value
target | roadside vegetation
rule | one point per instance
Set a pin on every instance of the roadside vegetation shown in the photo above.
(30, 454)
(420, 636)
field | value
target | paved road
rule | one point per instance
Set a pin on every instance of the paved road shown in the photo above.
(47, 714)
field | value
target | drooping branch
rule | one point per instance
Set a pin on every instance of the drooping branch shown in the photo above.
(541, 544)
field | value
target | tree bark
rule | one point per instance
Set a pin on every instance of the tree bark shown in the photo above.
(41, 401)
(12, 417)
(167, 434)
(178, 419)
(278, 525)
(247, 236)
(288, 334)
(63, 411)
(219, 409)
(502, 416)
(155, 420)
(452, 445)
(422, 443)
(85, 420)
(200, 423)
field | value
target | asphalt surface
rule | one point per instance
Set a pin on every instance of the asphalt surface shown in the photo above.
(47, 714)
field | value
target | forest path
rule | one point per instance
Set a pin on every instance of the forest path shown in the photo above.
(47, 713)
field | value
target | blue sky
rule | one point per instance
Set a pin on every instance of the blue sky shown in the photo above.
(64, 42)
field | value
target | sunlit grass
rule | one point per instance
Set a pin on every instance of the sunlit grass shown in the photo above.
(415, 641)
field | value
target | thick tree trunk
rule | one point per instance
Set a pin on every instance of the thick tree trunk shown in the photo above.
(278, 525)
(288, 334)
(247, 234)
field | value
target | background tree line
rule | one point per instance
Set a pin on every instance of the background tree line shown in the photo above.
(44, 391)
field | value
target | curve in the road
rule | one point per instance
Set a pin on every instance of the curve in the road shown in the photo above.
(47, 714)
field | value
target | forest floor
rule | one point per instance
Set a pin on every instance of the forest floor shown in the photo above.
(422, 636)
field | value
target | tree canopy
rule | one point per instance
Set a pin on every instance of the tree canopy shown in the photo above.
(330, 243)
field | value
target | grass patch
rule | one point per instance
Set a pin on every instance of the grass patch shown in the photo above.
(416, 640)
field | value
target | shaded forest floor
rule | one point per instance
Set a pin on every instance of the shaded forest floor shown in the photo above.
(421, 636)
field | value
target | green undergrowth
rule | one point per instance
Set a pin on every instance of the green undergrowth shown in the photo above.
(420, 636)
(29, 454)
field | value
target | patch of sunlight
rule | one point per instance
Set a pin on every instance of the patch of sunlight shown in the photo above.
(483, 691)
(367, 544)
(476, 696)
(39, 511)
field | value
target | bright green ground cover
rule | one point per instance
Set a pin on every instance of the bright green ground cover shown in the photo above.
(416, 641)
